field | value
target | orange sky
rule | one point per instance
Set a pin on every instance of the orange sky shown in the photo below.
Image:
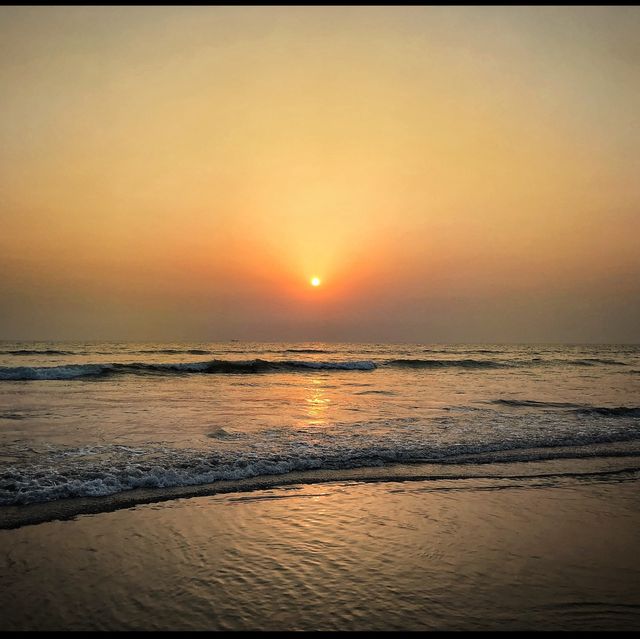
(450, 173)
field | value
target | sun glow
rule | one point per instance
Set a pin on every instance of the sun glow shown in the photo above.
(315, 281)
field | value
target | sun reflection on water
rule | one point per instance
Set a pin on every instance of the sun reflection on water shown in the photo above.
(317, 402)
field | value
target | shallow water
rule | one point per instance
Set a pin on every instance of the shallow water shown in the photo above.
(539, 553)
(100, 419)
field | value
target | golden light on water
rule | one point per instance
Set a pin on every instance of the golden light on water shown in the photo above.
(315, 281)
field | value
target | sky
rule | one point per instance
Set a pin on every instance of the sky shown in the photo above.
(451, 174)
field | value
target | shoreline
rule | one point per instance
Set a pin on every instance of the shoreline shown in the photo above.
(609, 463)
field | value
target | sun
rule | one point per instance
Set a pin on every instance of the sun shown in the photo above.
(315, 281)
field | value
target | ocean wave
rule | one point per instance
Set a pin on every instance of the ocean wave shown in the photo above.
(69, 371)
(609, 411)
(80, 371)
(499, 363)
(375, 392)
(12, 415)
(305, 350)
(438, 350)
(27, 351)
(533, 403)
(173, 351)
(28, 486)
(594, 361)
(455, 351)
(221, 366)
(578, 409)
(447, 363)
(101, 470)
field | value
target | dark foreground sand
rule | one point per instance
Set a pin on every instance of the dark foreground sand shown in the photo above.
(501, 553)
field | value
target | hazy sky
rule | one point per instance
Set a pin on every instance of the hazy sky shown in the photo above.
(452, 174)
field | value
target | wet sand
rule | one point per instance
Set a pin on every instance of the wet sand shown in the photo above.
(451, 554)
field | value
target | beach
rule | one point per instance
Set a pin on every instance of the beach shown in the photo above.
(551, 551)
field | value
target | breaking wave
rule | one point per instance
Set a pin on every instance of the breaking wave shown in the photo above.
(80, 371)
(102, 470)
(221, 366)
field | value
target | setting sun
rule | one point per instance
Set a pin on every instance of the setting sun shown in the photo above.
(315, 281)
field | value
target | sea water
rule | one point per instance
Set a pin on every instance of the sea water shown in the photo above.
(82, 420)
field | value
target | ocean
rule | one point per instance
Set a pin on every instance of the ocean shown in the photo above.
(317, 486)
(87, 420)
(99, 419)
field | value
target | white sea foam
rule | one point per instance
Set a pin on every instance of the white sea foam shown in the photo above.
(56, 473)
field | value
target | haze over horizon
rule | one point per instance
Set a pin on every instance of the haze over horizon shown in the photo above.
(451, 174)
